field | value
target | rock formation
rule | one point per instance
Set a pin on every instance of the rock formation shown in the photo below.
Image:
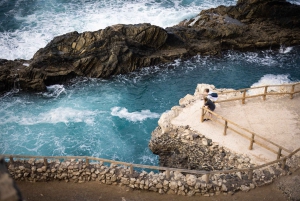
(186, 149)
(250, 25)
(119, 49)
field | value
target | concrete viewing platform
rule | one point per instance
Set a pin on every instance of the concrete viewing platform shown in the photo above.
(277, 119)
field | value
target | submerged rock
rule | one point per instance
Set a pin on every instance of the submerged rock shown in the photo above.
(119, 49)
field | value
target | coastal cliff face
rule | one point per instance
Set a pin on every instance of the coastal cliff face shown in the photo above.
(250, 25)
(119, 49)
(184, 148)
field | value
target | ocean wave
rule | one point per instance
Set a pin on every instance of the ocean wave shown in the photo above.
(269, 58)
(54, 91)
(149, 159)
(60, 115)
(284, 50)
(9, 93)
(270, 79)
(133, 116)
(297, 2)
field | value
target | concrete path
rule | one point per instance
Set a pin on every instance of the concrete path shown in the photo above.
(277, 119)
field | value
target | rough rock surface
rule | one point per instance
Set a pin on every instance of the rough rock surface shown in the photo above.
(119, 49)
(185, 149)
(115, 50)
(250, 25)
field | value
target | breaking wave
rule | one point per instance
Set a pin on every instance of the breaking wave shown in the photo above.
(270, 79)
(133, 116)
(54, 91)
(60, 115)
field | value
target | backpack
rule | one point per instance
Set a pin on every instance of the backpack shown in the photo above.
(215, 95)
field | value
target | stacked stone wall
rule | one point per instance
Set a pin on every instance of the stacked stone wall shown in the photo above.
(78, 171)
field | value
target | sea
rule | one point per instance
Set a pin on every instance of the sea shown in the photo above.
(113, 118)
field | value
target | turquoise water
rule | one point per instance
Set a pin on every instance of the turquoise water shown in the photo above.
(114, 118)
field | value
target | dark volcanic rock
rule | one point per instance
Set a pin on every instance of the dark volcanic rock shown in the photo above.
(16, 74)
(119, 49)
(115, 50)
(249, 25)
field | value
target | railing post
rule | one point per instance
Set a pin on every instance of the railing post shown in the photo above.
(250, 174)
(87, 162)
(168, 174)
(265, 93)
(279, 153)
(225, 128)
(11, 159)
(283, 163)
(244, 97)
(131, 169)
(292, 91)
(202, 114)
(251, 142)
(45, 162)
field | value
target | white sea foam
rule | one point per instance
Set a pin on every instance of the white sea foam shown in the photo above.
(297, 2)
(10, 93)
(284, 50)
(60, 115)
(54, 91)
(133, 116)
(264, 58)
(59, 149)
(148, 159)
(270, 79)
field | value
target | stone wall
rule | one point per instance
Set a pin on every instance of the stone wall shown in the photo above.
(78, 171)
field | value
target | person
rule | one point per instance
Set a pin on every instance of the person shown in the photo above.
(210, 105)
(212, 96)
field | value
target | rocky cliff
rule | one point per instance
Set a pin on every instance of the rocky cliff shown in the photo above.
(119, 49)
